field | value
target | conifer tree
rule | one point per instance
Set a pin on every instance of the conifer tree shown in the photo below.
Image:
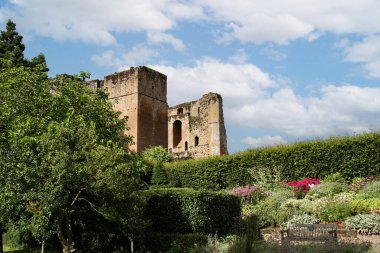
(11, 46)
(12, 50)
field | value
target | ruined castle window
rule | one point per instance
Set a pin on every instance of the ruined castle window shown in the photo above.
(152, 88)
(186, 145)
(177, 132)
(179, 110)
(199, 110)
(196, 141)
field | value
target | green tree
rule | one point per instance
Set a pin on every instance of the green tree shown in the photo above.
(12, 51)
(63, 160)
(11, 46)
(156, 157)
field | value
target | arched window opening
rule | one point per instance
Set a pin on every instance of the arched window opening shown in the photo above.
(199, 111)
(177, 132)
(179, 110)
(196, 141)
(186, 146)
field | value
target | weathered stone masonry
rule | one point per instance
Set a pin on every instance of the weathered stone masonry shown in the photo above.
(196, 129)
(193, 129)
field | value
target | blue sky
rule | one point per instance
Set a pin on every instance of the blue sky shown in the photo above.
(288, 70)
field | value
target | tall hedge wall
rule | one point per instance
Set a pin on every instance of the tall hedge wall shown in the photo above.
(173, 210)
(355, 156)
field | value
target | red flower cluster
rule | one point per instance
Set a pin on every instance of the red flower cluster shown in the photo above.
(303, 186)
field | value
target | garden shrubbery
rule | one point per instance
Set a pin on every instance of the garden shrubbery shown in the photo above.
(365, 223)
(175, 210)
(356, 156)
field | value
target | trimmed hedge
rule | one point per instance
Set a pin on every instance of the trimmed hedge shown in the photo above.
(174, 210)
(356, 156)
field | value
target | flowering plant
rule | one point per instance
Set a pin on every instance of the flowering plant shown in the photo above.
(303, 186)
(250, 194)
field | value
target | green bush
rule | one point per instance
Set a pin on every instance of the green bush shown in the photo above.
(355, 156)
(364, 223)
(370, 190)
(271, 210)
(174, 210)
(365, 205)
(335, 211)
(300, 206)
(303, 219)
(326, 189)
(334, 177)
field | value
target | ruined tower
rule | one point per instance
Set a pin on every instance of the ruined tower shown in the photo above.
(196, 129)
(189, 130)
(140, 94)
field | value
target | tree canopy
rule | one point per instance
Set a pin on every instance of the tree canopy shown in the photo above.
(62, 157)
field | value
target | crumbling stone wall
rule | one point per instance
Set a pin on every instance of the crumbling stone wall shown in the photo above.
(196, 129)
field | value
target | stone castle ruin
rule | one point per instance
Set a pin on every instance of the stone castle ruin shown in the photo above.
(189, 130)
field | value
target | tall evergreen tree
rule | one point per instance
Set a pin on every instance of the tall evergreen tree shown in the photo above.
(12, 50)
(11, 46)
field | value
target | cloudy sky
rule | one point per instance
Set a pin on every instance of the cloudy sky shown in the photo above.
(288, 70)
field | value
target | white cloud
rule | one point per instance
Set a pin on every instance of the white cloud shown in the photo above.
(257, 21)
(95, 21)
(237, 83)
(282, 21)
(254, 99)
(107, 59)
(264, 141)
(160, 38)
(366, 52)
(138, 55)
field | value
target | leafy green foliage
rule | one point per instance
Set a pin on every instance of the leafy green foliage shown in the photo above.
(178, 210)
(370, 190)
(351, 156)
(63, 162)
(368, 205)
(303, 219)
(365, 223)
(326, 189)
(334, 177)
(156, 157)
(271, 210)
(335, 211)
(267, 178)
